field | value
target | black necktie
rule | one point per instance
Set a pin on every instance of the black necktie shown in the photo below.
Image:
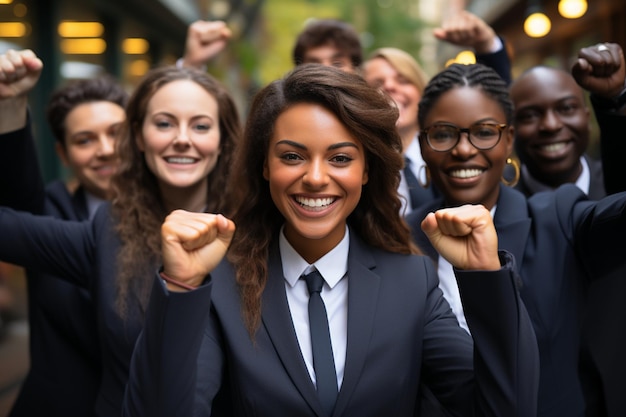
(413, 183)
(323, 361)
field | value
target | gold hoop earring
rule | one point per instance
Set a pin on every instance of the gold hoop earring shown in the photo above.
(424, 183)
(516, 167)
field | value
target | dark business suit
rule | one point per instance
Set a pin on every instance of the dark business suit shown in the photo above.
(83, 253)
(603, 362)
(64, 371)
(561, 241)
(400, 332)
(596, 180)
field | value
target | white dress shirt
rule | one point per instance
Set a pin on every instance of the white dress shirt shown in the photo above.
(414, 153)
(333, 266)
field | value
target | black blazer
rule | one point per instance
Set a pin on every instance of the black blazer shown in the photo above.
(64, 371)
(400, 332)
(83, 253)
(561, 242)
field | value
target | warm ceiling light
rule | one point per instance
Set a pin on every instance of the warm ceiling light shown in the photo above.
(93, 46)
(135, 46)
(80, 29)
(572, 9)
(6, 1)
(138, 67)
(12, 29)
(465, 57)
(537, 25)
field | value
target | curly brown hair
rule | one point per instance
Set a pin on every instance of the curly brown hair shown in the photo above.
(137, 204)
(368, 116)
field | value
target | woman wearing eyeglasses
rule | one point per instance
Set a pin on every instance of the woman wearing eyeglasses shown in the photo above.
(560, 239)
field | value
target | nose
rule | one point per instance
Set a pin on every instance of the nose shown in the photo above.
(464, 147)
(316, 175)
(182, 138)
(389, 85)
(550, 121)
(106, 146)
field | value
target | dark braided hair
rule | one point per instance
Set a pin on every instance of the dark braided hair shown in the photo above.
(459, 75)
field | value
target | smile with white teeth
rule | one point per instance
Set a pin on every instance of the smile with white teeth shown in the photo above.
(466, 173)
(314, 203)
(553, 147)
(180, 160)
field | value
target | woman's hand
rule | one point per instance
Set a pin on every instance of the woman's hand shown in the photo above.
(193, 244)
(465, 236)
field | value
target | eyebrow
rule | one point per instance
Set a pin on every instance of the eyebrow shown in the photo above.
(173, 116)
(301, 146)
(477, 122)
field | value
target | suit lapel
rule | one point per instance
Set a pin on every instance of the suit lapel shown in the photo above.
(279, 326)
(419, 237)
(363, 286)
(512, 222)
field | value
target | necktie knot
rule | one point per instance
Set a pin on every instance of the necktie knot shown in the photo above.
(314, 281)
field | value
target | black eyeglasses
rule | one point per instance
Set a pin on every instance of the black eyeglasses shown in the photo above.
(442, 137)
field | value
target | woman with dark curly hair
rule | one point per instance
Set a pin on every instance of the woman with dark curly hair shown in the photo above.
(175, 151)
(316, 179)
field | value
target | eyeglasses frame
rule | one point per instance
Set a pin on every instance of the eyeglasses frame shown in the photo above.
(499, 126)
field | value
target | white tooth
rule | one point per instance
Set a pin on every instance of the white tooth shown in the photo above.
(554, 147)
(466, 173)
(180, 160)
(314, 202)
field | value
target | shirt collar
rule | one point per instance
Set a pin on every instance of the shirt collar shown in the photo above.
(536, 186)
(333, 266)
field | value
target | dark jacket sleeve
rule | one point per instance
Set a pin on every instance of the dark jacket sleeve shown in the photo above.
(499, 61)
(612, 144)
(21, 184)
(166, 355)
(45, 244)
(506, 357)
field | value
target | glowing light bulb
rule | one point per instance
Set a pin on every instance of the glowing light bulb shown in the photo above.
(537, 25)
(572, 9)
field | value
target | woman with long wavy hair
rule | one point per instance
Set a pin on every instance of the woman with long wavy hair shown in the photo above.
(316, 177)
(175, 151)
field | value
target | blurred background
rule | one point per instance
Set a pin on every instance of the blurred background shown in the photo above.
(86, 38)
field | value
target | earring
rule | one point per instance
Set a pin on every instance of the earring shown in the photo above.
(424, 180)
(515, 164)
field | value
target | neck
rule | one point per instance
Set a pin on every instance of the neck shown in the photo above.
(407, 135)
(193, 198)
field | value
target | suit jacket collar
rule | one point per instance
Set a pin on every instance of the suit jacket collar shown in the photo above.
(512, 222)
(362, 301)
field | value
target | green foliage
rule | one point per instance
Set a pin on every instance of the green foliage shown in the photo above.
(381, 23)
(386, 23)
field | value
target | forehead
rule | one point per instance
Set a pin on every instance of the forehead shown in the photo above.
(378, 65)
(324, 51)
(182, 96)
(544, 85)
(465, 106)
(312, 125)
(94, 115)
